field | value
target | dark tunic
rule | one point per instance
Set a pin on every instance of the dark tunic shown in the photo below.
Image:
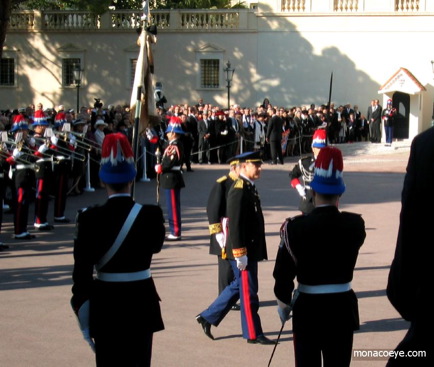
(246, 222)
(304, 170)
(216, 209)
(171, 177)
(320, 248)
(121, 309)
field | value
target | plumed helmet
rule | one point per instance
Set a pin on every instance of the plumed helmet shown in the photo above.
(117, 160)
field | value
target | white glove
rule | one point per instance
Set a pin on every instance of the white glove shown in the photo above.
(32, 142)
(241, 262)
(221, 239)
(284, 311)
(16, 153)
(301, 190)
(83, 322)
(43, 148)
(72, 139)
(54, 139)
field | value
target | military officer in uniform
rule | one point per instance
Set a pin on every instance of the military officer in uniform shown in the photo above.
(320, 250)
(304, 170)
(171, 176)
(119, 309)
(217, 219)
(245, 248)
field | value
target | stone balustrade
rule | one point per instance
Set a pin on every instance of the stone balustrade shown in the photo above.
(219, 20)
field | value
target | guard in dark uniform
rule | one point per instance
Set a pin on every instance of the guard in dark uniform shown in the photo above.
(44, 176)
(171, 176)
(119, 310)
(304, 170)
(245, 247)
(321, 250)
(63, 149)
(22, 161)
(217, 219)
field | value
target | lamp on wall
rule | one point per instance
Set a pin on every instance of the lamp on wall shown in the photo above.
(229, 75)
(77, 74)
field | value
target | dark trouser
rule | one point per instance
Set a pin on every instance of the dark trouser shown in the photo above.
(62, 170)
(24, 179)
(276, 151)
(389, 134)
(335, 349)
(120, 350)
(225, 273)
(204, 152)
(173, 202)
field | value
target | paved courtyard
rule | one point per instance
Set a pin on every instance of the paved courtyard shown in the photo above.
(38, 327)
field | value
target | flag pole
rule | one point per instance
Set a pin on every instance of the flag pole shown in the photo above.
(330, 90)
(135, 133)
(139, 84)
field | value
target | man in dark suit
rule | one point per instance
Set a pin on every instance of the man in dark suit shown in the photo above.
(204, 140)
(119, 310)
(374, 120)
(410, 279)
(274, 137)
(245, 247)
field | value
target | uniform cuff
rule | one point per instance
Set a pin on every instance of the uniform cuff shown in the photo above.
(238, 252)
(215, 228)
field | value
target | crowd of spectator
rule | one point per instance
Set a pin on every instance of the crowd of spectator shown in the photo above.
(213, 134)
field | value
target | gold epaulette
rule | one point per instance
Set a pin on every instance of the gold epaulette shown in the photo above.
(239, 184)
(238, 252)
(221, 179)
(215, 228)
(233, 176)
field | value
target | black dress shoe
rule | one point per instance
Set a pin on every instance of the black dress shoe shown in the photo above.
(236, 307)
(261, 339)
(206, 326)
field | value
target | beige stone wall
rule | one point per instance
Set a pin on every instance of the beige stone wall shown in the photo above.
(285, 57)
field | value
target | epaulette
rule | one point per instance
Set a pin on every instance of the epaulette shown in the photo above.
(239, 184)
(221, 179)
(233, 176)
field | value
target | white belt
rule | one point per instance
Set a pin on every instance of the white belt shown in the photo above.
(61, 157)
(124, 277)
(24, 166)
(324, 288)
(176, 168)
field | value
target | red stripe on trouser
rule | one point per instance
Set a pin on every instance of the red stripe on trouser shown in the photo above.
(40, 188)
(175, 218)
(18, 210)
(246, 304)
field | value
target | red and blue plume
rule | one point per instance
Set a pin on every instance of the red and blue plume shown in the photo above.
(328, 176)
(117, 159)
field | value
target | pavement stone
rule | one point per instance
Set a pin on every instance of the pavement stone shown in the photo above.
(39, 328)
